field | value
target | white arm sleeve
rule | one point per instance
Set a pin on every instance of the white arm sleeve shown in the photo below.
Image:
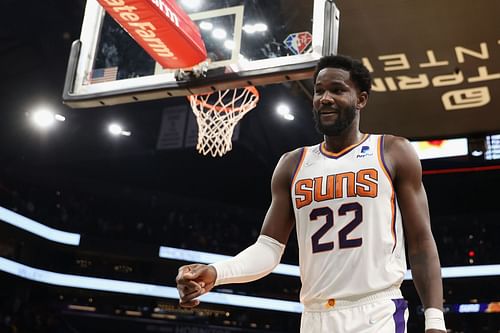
(251, 264)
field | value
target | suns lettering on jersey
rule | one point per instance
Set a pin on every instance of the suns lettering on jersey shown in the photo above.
(363, 183)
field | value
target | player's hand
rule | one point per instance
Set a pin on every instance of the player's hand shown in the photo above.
(193, 281)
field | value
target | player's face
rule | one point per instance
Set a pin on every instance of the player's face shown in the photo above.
(334, 101)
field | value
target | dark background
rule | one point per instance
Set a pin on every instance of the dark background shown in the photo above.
(122, 193)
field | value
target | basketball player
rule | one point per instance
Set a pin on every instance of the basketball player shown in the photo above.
(349, 198)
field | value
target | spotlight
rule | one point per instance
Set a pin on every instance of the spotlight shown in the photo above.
(249, 28)
(253, 28)
(116, 129)
(260, 27)
(43, 118)
(229, 44)
(219, 33)
(58, 117)
(283, 109)
(204, 25)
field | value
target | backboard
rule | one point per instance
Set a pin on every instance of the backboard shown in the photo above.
(249, 42)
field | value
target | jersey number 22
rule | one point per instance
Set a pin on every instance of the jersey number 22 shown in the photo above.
(344, 242)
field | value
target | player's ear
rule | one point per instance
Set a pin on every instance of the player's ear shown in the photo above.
(362, 100)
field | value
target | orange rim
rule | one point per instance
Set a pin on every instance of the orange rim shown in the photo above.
(251, 103)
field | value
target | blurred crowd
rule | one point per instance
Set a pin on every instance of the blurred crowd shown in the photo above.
(147, 216)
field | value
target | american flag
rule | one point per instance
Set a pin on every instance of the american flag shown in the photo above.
(103, 74)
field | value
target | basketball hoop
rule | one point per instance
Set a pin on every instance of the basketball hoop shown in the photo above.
(217, 114)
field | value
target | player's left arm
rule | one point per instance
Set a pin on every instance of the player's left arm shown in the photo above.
(406, 170)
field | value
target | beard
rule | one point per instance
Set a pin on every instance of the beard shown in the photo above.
(344, 120)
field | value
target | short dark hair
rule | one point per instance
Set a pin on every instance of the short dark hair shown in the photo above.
(358, 72)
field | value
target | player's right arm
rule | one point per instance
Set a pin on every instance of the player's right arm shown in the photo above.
(280, 219)
(259, 259)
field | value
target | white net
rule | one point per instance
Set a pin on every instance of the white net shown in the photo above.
(217, 114)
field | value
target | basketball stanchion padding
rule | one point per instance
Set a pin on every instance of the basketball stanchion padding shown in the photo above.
(161, 28)
(217, 114)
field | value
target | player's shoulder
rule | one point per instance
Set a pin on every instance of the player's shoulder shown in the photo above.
(289, 160)
(397, 145)
(400, 154)
(293, 157)
(293, 154)
(283, 173)
(394, 141)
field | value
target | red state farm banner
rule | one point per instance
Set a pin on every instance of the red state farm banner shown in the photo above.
(163, 29)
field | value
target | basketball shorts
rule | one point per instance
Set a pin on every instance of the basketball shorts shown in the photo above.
(378, 316)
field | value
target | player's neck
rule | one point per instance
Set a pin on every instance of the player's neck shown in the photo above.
(345, 139)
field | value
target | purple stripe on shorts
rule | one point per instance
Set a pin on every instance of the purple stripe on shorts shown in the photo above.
(399, 314)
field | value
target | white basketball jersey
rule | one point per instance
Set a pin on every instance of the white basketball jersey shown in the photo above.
(348, 222)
